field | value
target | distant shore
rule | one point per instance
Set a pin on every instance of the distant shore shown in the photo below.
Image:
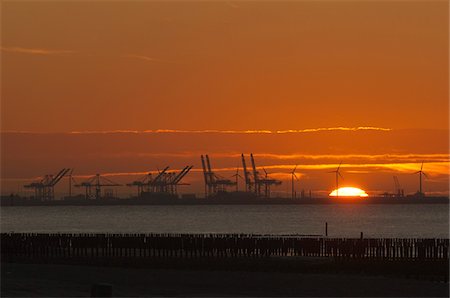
(220, 200)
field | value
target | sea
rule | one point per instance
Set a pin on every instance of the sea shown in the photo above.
(343, 220)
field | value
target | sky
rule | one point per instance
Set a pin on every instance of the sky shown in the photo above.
(125, 87)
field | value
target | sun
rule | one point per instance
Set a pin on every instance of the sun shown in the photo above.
(348, 192)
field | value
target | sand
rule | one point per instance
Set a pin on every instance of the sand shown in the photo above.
(51, 280)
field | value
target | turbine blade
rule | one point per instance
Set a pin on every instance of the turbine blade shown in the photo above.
(421, 167)
(295, 168)
(339, 166)
(425, 175)
(340, 175)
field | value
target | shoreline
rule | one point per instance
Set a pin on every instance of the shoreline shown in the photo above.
(175, 201)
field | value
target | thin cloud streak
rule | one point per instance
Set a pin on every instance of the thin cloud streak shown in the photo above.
(35, 51)
(262, 131)
(334, 129)
(145, 58)
(49, 52)
(364, 158)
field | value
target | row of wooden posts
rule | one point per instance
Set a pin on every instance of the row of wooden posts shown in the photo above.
(218, 245)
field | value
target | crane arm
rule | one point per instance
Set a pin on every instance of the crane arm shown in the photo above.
(59, 177)
(50, 182)
(175, 177)
(184, 174)
(157, 178)
(210, 173)
(205, 172)
(247, 180)
(255, 173)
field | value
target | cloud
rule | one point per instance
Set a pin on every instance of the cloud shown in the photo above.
(255, 131)
(146, 58)
(48, 52)
(366, 157)
(141, 57)
(209, 131)
(334, 128)
(35, 51)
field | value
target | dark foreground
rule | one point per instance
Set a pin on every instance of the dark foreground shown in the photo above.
(222, 265)
(59, 280)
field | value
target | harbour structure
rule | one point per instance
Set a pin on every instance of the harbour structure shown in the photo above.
(45, 188)
(164, 182)
(167, 182)
(142, 184)
(262, 183)
(398, 190)
(294, 176)
(93, 187)
(214, 183)
(248, 182)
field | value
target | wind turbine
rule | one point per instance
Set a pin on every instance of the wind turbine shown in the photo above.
(338, 173)
(237, 176)
(292, 180)
(420, 179)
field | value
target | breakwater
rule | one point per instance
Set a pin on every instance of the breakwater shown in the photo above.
(31, 245)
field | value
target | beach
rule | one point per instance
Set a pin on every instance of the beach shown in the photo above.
(57, 280)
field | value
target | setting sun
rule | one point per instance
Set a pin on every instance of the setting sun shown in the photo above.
(348, 192)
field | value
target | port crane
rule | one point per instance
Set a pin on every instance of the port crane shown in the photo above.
(141, 184)
(293, 176)
(45, 188)
(264, 183)
(213, 183)
(167, 182)
(177, 180)
(398, 190)
(257, 187)
(268, 182)
(164, 182)
(248, 181)
(93, 186)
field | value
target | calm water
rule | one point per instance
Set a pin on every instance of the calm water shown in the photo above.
(343, 220)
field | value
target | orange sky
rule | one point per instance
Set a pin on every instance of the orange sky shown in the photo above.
(277, 65)
(78, 66)
(370, 157)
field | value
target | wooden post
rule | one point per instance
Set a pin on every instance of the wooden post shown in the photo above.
(326, 229)
(361, 235)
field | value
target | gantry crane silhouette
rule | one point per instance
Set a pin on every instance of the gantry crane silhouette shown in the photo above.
(93, 186)
(45, 188)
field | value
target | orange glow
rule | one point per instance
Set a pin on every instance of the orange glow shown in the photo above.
(348, 192)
